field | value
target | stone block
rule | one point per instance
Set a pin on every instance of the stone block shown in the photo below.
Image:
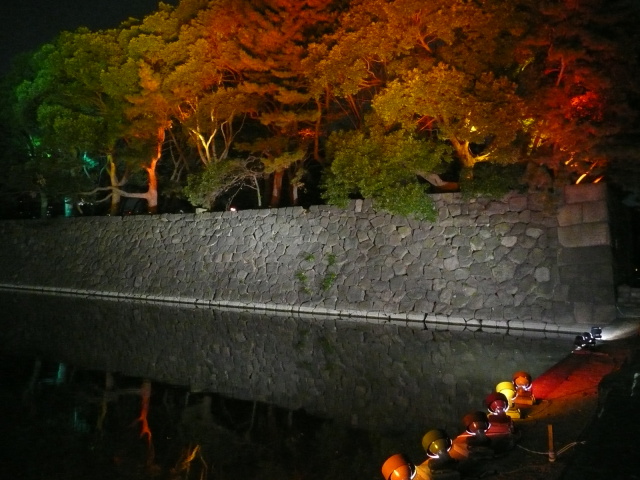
(562, 313)
(542, 274)
(518, 203)
(590, 192)
(602, 294)
(518, 255)
(595, 212)
(583, 313)
(585, 235)
(592, 255)
(503, 271)
(509, 241)
(604, 314)
(570, 215)
(587, 273)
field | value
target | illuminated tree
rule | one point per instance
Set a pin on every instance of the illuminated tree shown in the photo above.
(210, 107)
(62, 115)
(439, 69)
(479, 116)
(149, 56)
(260, 47)
(578, 78)
(237, 92)
(384, 165)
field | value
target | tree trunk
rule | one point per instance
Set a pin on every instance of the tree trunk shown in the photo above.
(276, 188)
(114, 208)
(151, 195)
(466, 158)
(116, 197)
(256, 183)
(316, 138)
(152, 191)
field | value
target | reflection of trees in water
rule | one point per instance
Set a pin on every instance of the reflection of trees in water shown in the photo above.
(60, 428)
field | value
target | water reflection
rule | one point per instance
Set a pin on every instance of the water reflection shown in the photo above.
(334, 396)
(55, 429)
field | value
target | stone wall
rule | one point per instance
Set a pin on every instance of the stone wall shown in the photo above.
(523, 262)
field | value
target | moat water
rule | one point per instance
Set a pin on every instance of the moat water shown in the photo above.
(345, 394)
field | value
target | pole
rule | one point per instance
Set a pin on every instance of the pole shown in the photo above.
(552, 453)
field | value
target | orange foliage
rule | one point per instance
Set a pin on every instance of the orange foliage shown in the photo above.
(587, 106)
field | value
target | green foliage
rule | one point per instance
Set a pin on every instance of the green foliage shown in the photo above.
(493, 180)
(470, 108)
(304, 281)
(383, 165)
(217, 179)
(327, 281)
(328, 278)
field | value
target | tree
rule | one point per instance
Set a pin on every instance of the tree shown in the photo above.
(384, 165)
(479, 116)
(57, 122)
(261, 47)
(439, 71)
(578, 79)
(81, 106)
(210, 108)
(237, 93)
(224, 178)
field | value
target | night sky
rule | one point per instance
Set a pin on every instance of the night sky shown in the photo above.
(27, 24)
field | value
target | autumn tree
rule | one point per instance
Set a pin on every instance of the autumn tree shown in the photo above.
(390, 92)
(578, 74)
(210, 108)
(139, 80)
(260, 46)
(438, 70)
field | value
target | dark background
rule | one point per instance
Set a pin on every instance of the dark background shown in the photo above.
(27, 24)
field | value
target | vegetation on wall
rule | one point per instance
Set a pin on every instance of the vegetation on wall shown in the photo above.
(317, 277)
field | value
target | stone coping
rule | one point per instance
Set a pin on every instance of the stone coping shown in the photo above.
(412, 319)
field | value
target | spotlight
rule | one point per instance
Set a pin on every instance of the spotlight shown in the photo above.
(476, 424)
(585, 340)
(436, 444)
(473, 444)
(509, 391)
(501, 430)
(524, 393)
(498, 405)
(398, 467)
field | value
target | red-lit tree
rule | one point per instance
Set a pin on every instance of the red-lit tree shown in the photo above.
(578, 65)
(259, 47)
